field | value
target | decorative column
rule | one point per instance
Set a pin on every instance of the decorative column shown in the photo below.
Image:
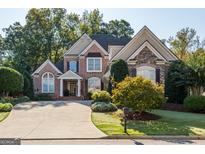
(78, 94)
(61, 87)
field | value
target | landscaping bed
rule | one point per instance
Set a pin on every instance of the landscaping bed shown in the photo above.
(3, 115)
(170, 123)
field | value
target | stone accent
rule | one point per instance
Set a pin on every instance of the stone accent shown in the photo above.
(148, 58)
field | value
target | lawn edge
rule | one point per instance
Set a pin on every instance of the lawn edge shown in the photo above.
(164, 137)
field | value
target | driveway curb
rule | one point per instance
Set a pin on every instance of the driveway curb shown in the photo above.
(127, 137)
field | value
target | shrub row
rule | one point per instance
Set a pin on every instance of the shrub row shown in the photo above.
(14, 101)
(42, 97)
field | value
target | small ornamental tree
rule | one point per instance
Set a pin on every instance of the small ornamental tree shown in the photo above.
(11, 81)
(139, 94)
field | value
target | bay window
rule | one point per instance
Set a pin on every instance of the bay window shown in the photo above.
(147, 72)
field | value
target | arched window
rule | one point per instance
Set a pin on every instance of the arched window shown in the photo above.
(94, 83)
(47, 83)
(147, 72)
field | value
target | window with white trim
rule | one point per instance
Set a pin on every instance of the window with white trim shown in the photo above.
(147, 72)
(94, 83)
(47, 83)
(94, 64)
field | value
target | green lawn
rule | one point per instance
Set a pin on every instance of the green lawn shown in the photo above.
(171, 123)
(3, 115)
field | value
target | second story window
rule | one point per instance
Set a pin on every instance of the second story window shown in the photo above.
(94, 64)
(73, 66)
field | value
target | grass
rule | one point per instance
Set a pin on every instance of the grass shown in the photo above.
(171, 123)
(3, 115)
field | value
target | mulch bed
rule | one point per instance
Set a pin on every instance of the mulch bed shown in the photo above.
(144, 116)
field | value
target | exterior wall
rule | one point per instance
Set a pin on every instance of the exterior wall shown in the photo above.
(148, 58)
(82, 67)
(37, 80)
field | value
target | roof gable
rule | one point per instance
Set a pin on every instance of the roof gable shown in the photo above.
(79, 45)
(150, 47)
(94, 42)
(44, 64)
(142, 36)
(69, 75)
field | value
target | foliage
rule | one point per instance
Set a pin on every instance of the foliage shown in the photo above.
(119, 70)
(14, 101)
(184, 42)
(11, 81)
(89, 95)
(28, 84)
(195, 103)
(42, 97)
(6, 107)
(139, 94)
(101, 96)
(117, 28)
(103, 107)
(173, 90)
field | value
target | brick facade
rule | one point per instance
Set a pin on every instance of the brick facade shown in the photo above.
(37, 80)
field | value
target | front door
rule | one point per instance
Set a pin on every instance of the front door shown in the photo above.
(72, 88)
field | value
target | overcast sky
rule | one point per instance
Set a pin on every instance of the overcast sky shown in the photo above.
(163, 22)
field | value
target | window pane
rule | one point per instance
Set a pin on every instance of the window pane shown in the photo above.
(73, 66)
(94, 83)
(90, 64)
(45, 85)
(97, 64)
(147, 73)
(51, 85)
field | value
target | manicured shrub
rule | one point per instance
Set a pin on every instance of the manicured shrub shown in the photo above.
(5, 107)
(195, 103)
(139, 94)
(119, 70)
(103, 107)
(42, 97)
(101, 96)
(11, 81)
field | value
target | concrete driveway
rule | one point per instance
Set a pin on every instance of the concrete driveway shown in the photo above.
(56, 119)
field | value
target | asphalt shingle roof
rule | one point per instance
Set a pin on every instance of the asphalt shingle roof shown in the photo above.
(104, 40)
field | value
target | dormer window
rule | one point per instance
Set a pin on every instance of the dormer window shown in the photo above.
(94, 64)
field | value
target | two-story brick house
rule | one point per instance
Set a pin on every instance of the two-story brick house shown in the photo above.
(86, 65)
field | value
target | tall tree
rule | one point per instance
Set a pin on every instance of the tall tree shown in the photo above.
(1, 49)
(91, 22)
(185, 41)
(117, 28)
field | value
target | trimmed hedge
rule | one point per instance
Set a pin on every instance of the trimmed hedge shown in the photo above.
(103, 107)
(5, 107)
(42, 97)
(11, 81)
(195, 103)
(101, 96)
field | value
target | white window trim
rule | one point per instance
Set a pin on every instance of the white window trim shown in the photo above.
(91, 78)
(147, 68)
(94, 64)
(48, 92)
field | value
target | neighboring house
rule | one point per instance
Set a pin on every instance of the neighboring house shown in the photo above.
(86, 65)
